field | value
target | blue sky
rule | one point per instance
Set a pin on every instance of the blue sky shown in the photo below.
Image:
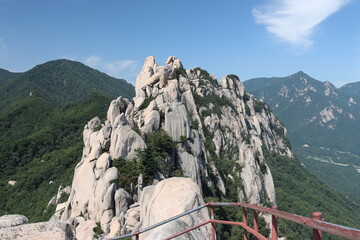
(257, 38)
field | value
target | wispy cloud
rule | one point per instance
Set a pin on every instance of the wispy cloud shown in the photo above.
(92, 61)
(294, 21)
(127, 69)
(119, 66)
(2, 44)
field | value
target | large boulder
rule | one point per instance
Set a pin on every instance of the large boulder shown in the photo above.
(125, 141)
(169, 198)
(12, 220)
(39, 231)
(85, 230)
(173, 228)
(116, 107)
(146, 73)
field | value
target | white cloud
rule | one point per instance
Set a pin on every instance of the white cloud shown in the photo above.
(92, 61)
(126, 69)
(294, 21)
(119, 66)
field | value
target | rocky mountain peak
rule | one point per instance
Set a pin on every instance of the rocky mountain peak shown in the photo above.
(299, 75)
(151, 73)
(330, 89)
(301, 101)
(181, 122)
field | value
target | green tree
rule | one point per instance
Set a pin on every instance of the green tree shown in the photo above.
(153, 158)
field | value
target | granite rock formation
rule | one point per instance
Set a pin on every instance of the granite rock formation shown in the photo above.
(219, 135)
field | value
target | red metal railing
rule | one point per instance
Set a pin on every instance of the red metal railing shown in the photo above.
(316, 223)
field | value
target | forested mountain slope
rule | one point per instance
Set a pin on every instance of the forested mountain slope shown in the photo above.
(61, 82)
(323, 125)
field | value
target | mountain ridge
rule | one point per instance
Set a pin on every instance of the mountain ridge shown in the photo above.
(319, 118)
(6, 76)
(61, 82)
(352, 89)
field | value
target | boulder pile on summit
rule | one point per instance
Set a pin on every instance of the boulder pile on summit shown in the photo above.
(218, 136)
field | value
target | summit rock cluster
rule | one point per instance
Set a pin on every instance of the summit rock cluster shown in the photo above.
(219, 135)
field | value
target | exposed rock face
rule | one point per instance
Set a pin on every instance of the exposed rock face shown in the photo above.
(12, 220)
(84, 231)
(56, 201)
(169, 198)
(124, 141)
(39, 231)
(173, 228)
(208, 122)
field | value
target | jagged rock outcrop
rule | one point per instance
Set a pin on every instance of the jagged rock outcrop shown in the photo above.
(209, 123)
(59, 200)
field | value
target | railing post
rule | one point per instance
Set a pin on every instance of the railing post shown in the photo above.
(137, 237)
(317, 234)
(212, 224)
(274, 230)
(256, 223)
(245, 222)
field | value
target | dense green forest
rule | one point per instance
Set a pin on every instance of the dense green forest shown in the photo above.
(337, 169)
(40, 143)
(301, 193)
(60, 82)
(6, 76)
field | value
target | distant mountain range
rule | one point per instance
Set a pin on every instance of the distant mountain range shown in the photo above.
(352, 89)
(323, 125)
(61, 82)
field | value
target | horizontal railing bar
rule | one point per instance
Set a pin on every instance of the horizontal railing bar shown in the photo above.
(122, 236)
(189, 229)
(338, 230)
(241, 224)
(341, 231)
(161, 223)
(174, 218)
